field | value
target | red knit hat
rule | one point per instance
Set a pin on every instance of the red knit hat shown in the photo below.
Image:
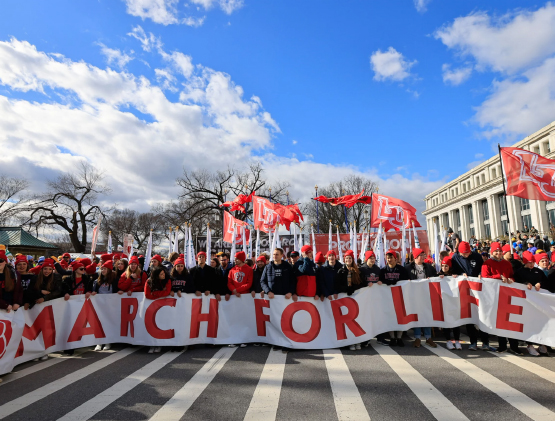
(240, 255)
(369, 254)
(3, 256)
(182, 256)
(319, 258)
(330, 252)
(108, 265)
(66, 255)
(134, 259)
(350, 253)
(116, 256)
(306, 248)
(429, 260)
(201, 253)
(540, 256)
(527, 257)
(506, 248)
(76, 265)
(157, 257)
(495, 246)
(179, 261)
(417, 252)
(516, 256)
(48, 263)
(464, 247)
(86, 261)
(393, 252)
(447, 261)
(21, 258)
(261, 258)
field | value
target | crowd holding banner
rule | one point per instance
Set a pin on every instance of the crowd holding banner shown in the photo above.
(321, 294)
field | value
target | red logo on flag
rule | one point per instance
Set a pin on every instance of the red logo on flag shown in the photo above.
(5, 336)
(229, 220)
(391, 213)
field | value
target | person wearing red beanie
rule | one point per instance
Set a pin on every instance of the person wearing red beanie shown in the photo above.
(319, 259)
(133, 279)
(205, 278)
(11, 288)
(305, 270)
(239, 280)
(256, 288)
(325, 276)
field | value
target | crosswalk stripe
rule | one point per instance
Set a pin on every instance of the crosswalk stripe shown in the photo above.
(440, 407)
(46, 390)
(53, 360)
(527, 365)
(264, 402)
(347, 399)
(180, 403)
(519, 400)
(110, 395)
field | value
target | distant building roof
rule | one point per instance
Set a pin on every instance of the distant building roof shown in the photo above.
(18, 237)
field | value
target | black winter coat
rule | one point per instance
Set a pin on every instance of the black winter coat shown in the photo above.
(342, 282)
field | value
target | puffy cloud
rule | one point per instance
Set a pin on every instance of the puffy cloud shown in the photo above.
(421, 5)
(506, 44)
(228, 6)
(160, 11)
(114, 56)
(457, 76)
(390, 65)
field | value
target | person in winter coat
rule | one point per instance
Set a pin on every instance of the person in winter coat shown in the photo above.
(418, 269)
(305, 270)
(239, 280)
(390, 275)
(256, 288)
(508, 256)
(205, 278)
(104, 282)
(28, 281)
(182, 283)
(120, 267)
(78, 282)
(11, 290)
(349, 280)
(325, 276)
(133, 279)
(66, 260)
(158, 285)
(500, 269)
(446, 270)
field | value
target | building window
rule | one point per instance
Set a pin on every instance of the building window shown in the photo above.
(524, 205)
(483, 178)
(504, 227)
(477, 181)
(485, 210)
(527, 221)
(470, 214)
(551, 217)
(487, 231)
(493, 173)
(457, 219)
(547, 147)
(503, 204)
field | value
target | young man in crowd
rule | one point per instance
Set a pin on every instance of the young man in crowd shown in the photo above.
(256, 288)
(418, 269)
(390, 275)
(325, 276)
(305, 270)
(279, 278)
(239, 280)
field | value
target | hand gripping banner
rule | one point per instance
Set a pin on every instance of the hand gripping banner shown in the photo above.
(501, 309)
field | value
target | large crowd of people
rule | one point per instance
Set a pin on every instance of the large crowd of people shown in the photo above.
(24, 283)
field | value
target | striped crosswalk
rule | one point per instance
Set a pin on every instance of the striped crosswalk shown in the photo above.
(265, 384)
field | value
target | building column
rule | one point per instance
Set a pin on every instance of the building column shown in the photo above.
(513, 212)
(539, 215)
(478, 220)
(464, 223)
(495, 216)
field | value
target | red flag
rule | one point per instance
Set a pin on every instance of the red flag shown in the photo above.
(229, 220)
(528, 175)
(238, 202)
(349, 200)
(389, 211)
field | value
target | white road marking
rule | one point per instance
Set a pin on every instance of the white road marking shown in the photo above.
(180, 403)
(440, 407)
(264, 402)
(46, 390)
(347, 399)
(110, 395)
(519, 400)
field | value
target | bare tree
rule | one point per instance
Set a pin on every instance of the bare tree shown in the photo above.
(11, 198)
(127, 221)
(71, 203)
(351, 184)
(203, 192)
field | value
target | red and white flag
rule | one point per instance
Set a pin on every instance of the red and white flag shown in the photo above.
(264, 214)
(528, 175)
(229, 221)
(391, 213)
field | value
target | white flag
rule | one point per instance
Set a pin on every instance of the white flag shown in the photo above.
(233, 245)
(148, 253)
(249, 252)
(257, 242)
(416, 242)
(276, 236)
(170, 246)
(301, 240)
(330, 237)
(244, 240)
(436, 249)
(378, 247)
(355, 241)
(208, 242)
(186, 248)
(109, 242)
(176, 241)
(409, 232)
(363, 246)
(444, 241)
(295, 238)
(270, 242)
(403, 245)
(192, 257)
(340, 251)
(313, 241)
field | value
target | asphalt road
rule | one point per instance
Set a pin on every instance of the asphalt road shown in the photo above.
(258, 383)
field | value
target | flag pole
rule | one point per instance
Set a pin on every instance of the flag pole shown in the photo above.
(505, 194)
(317, 213)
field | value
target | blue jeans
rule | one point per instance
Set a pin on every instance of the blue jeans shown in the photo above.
(427, 332)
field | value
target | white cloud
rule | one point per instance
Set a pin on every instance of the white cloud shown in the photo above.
(228, 6)
(457, 76)
(478, 155)
(390, 65)
(520, 105)
(161, 11)
(294, 142)
(421, 5)
(148, 42)
(114, 56)
(507, 43)
(126, 125)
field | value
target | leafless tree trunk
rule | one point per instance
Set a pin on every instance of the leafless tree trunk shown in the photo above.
(127, 221)
(11, 198)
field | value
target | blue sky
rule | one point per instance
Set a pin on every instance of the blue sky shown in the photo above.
(409, 93)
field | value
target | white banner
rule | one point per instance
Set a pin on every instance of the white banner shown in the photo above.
(506, 310)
